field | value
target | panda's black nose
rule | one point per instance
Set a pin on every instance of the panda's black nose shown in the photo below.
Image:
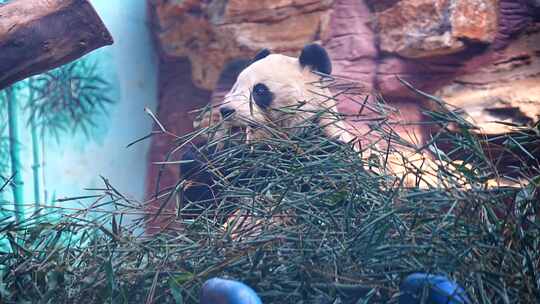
(226, 111)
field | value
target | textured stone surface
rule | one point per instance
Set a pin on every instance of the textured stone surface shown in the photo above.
(350, 42)
(514, 17)
(352, 45)
(474, 20)
(427, 28)
(506, 89)
(212, 33)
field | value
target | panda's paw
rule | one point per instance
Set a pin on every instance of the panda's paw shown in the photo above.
(194, 172)
(191, 161)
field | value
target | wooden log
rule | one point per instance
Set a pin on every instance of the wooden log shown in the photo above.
(38, 35)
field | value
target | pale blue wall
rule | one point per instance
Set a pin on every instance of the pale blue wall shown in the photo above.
(130, 65)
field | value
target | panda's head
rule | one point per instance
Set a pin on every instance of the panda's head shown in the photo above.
(279, 90)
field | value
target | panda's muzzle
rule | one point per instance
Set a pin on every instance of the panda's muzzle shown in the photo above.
(236, 123)
(226, 114)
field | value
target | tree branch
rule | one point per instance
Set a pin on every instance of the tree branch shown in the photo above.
(38, 35)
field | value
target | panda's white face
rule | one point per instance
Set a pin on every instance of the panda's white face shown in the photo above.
(283, 92)
(269, 90)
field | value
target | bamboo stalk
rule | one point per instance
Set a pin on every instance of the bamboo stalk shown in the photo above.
(43, 177)
(35, 154)
(15, 153)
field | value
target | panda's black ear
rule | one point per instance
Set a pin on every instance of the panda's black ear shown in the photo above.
(260, 55)
(316, 57)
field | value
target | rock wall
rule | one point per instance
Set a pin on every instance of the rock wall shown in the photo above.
(480, 55)
(212, 33)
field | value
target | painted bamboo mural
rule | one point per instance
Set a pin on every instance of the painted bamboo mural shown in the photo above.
(63, 101)
(67, 100)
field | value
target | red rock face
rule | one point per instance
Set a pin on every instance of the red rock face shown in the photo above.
(481, 55)
(429, 28)
(514, 17)
(351, 42)
(212, 33)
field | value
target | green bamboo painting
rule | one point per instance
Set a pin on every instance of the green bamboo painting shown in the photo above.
(64, 100)
(67, 100)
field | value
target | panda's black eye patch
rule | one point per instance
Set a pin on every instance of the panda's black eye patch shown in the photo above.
(262, 95)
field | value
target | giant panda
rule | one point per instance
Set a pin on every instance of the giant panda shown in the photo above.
(265, 93)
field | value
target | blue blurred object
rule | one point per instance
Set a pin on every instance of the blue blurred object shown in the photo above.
(221, 291)
(437, 290)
